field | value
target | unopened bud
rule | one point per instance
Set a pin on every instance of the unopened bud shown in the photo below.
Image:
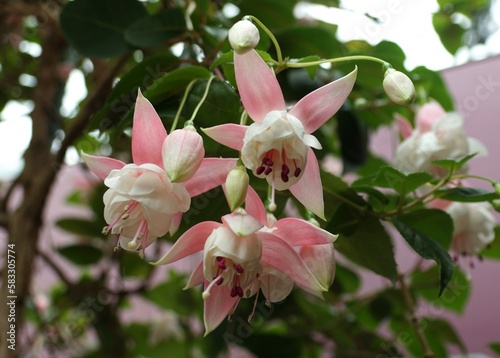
(398, 87)
(243, 36)
(496, 205)
(496, 186)
(237, 181)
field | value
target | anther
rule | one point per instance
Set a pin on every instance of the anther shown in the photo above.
(260, 170)
(297, 172)
(268, 170)
(238, 269)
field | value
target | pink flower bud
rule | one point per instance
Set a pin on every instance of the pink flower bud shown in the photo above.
(398, 87)
(236, 187)
(182, 153)
(243, 36)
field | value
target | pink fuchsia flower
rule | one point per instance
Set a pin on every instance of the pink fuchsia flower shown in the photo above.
(235, 253)
(319, 258)
(277, 146)
(474, 227)
(144, 201)
(438, 135)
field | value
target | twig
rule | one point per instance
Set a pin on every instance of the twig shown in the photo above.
(414, 320)
(54, 267)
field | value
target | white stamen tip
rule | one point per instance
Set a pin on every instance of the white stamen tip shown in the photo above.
(132, 245)
(205, 295)
(105, 230)
(127, 207)
(272, 207)
(125, 217)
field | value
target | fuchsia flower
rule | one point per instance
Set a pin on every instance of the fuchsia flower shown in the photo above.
(438, 135)
(277, 146)
(241, 256)
(146, 199)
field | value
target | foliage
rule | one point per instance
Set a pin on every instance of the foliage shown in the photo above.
(170, 51)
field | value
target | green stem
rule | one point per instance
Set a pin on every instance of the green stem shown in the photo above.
(336, 60)
(271, 36)
(205, 94)
(181, 106)
(472, 176)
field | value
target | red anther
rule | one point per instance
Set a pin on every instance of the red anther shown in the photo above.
(260, 170)
(239, 291)
(284, 177)
(297, 172)
(269, 162)
(234, 292)
(284, 169)
(219, 258)
(268, 170)
(219, 281)
(238, 268)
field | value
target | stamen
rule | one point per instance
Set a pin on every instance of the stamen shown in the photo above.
(260, 170)
(123, 216)
(238, 269)
(297, 172)
(252, 315)
(206, 293)
(268, 170)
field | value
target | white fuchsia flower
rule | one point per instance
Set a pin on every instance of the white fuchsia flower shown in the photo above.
(146, 198)
(438, 135)
(277, 146)
(236, 253)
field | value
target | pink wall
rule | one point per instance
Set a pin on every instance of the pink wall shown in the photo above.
(475, 88)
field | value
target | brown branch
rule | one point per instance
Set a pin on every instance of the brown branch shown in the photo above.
(414, 320)
(93, 103)
(54, 267)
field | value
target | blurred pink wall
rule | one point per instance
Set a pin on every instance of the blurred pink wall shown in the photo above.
(475, 88)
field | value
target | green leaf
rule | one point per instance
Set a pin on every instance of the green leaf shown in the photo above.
(450, 33)
(156, 29)
(96, 28)
(273, 345)
(428, 249)
(174, 82)
(170, 295)
(346, 220)
(346, 280)
(222, 104)
(492, 251)
(434, 223)
(336, 191)
(467, 195)
(81, 254)
(140, 336)
(495, 347)
(131, 265)
(274, 14)
(311, 70)
(388, 177)
(433, 85)
(124, 93)
(439, 331)
(453, 164)
(297, 42)
(371, 247)
(81, 227)
(454, 297)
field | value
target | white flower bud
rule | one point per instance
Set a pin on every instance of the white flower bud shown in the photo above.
(237, 182)
(243, 36)
(398, 87)
(496, 186)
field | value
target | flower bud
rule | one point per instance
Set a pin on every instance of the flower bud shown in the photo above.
(182, 153)
(496, 205)
(243, 36)
(236, 186)
(496, 186)
(398, 87)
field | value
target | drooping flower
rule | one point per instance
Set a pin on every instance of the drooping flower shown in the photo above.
(144, 201)
(438, 135)
(277, 146)
(235, 253)
(474, 227)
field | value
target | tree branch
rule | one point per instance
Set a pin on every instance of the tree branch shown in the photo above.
(414, 320)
